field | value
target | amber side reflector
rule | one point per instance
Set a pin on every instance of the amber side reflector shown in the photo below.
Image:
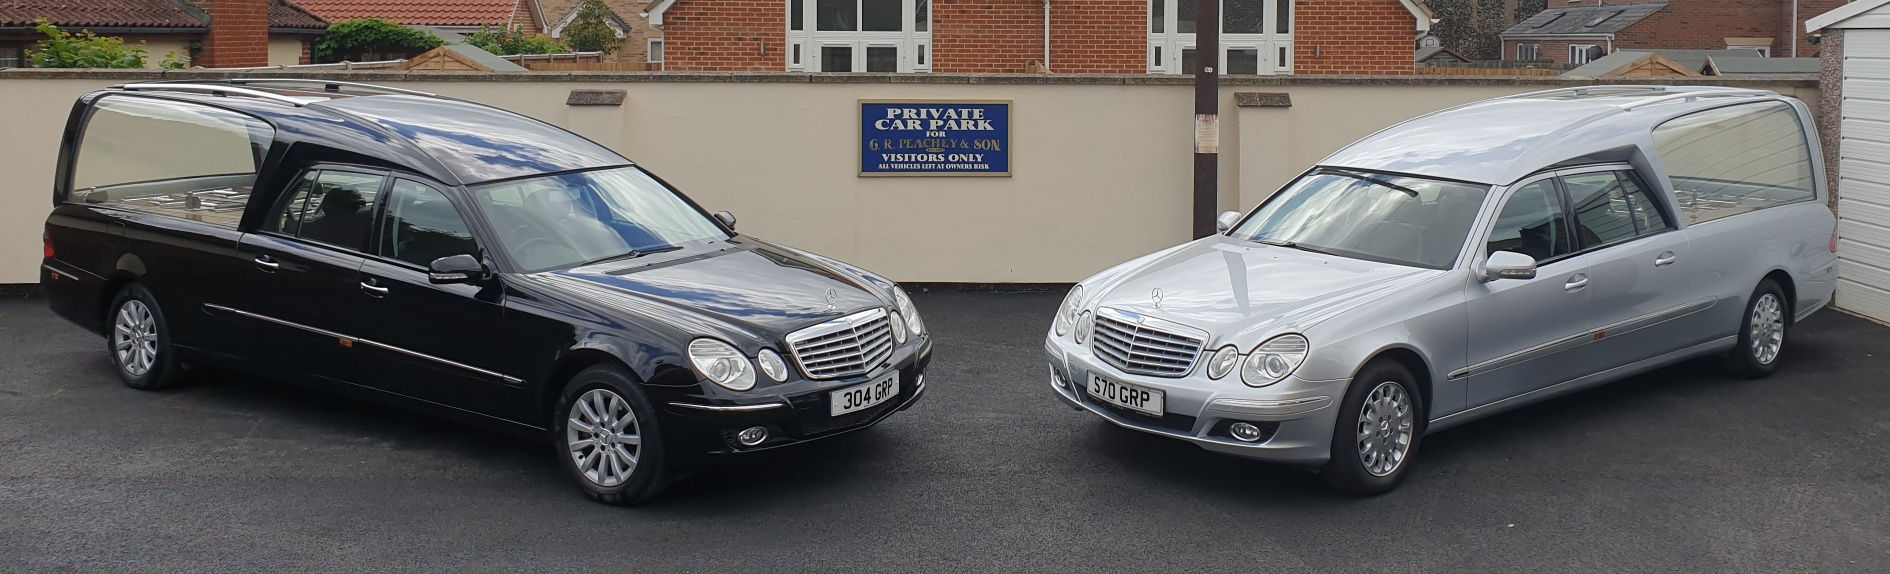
(55, 276)
(1599, 335)
(346, 343)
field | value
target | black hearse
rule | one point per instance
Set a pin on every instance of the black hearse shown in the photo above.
(461, 260)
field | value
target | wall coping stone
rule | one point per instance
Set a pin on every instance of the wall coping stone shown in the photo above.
(595, 98)
(1263, 100)
(1804, 81)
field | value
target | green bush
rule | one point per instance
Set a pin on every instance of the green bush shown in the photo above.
(513, 41)
(590, 32)
(351, 38)
(62, 49)
(175, 61)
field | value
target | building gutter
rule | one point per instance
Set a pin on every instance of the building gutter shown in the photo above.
(1046, 35)
(111, 30)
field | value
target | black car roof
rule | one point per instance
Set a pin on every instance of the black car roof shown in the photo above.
(454, 141)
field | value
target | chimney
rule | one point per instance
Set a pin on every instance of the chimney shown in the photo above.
(239, 34)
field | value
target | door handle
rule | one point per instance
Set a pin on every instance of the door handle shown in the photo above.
(1665, 259)
(267, 264)
(373, 289)
(1576, 283)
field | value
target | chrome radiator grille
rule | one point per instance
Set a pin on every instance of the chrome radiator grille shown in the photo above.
(844, 347)
(1145, 346)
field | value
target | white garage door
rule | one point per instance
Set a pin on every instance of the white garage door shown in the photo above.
(1864, 175)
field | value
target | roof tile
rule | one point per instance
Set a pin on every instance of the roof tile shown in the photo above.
(416, 12)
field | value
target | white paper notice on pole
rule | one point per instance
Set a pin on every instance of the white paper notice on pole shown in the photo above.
(1207, 133)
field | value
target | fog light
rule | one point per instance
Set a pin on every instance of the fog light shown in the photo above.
(754, 435)
(1057, 378)
(1245, 432)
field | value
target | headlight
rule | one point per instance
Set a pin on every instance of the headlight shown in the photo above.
(772, 365)
(721, 363)
(910, 311)
(1066, 313)
(1085, 325)
(898, 329)
(1273, 360)
(1223, 362)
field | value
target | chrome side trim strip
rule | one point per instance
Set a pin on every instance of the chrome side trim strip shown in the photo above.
(1571, 385)
(1809, 309)
(511, 380)
(1263, 407)
(1579, 339)
(729, 409)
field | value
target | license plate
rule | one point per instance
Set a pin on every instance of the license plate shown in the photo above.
(861, 397)
(1132, 397)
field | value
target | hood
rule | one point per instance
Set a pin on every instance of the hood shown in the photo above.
(747, 285)
(1227, 286)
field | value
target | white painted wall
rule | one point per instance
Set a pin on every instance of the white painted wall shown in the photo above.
(285, 51)
(1103, 172)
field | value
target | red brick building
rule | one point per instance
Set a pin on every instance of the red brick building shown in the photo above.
(1259, 37)
(1584, 30)
(208, 33)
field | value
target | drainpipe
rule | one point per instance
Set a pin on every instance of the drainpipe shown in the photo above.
(1046, 35)
(1794, 26)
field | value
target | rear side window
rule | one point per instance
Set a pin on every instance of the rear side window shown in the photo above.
(172, 158)
(332, 207)
(1732, 160)
(1611, 207)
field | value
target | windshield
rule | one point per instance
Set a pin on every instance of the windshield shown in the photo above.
(574, 219)
(1371, 216)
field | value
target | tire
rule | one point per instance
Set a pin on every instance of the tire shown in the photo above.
(610, 392)
(138, 341)
(1387, 387)
(1758, 351)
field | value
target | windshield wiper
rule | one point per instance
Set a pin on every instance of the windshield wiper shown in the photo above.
(633, 254)
(1294, 245)
(1371, 180)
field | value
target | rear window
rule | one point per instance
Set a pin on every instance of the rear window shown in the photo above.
(170, 158)
(1736, 159)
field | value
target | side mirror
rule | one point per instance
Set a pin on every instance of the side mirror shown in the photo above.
(727, 219)
(1509, 265)
(455, 269)
(1226, 221)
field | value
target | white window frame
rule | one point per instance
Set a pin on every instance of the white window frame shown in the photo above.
(915, 47)
(1581, 49)
(655, 52)
(1764, 51)
(1535, 52)
(1170, 43)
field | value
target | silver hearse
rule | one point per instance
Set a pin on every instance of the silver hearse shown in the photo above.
(1460, 264)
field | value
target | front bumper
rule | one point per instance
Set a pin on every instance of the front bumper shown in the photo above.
(1296, 416)
(802, 414)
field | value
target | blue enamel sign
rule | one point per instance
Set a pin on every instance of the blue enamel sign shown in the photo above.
(935, 138)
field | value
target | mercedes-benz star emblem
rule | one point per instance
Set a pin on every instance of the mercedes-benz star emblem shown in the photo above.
(833, 299)
(1157, 296)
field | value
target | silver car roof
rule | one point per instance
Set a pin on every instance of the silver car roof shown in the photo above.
(1502, 140)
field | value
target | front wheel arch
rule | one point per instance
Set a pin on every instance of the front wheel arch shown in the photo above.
(1418, 367)
(569, 366)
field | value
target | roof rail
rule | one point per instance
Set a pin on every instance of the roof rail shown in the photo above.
(1692, 95)
(327, 86)
(213, 90)
(1584, 91)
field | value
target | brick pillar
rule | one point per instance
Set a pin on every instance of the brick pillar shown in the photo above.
(239, 34)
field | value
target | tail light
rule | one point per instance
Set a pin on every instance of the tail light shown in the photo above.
(1834, 236)
(47, 236)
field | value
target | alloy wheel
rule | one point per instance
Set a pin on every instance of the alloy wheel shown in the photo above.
(134, 338)
(603, 436)
(1385, 423)
(1768, 329)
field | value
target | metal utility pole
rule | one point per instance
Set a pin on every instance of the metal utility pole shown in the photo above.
(1207, 115)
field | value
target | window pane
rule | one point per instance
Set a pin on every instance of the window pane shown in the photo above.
(1187, 61)
(921, 15)
(172, 158)
(1283, 21)
(837, 16)
(882, 59)
(836, 59)
(1186, 16)
(1157, 16)
(1286, 59)
(288, 219)
(10, 57)
(562, 220)
(1155, 57)
(341, 209)
(1602, 214)
(1243, 16)
(1647, 214)
(1735, 159)
(656, 50)
(925, 50)
(1531, 223)
(1243, 62)
(797, 14)
(882, 15)
(796, 57)
(421, 226)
